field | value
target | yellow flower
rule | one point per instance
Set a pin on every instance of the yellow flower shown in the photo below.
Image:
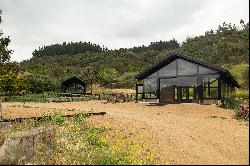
(78, 129)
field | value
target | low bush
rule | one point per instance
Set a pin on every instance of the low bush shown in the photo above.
(231, 103)
(242, 94)
(235, 104)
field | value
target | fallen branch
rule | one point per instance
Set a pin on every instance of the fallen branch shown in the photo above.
(49, 117)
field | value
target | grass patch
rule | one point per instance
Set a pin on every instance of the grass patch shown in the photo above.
(42, 98)
(79, 142)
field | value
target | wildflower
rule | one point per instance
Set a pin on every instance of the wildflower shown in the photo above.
(78, 129)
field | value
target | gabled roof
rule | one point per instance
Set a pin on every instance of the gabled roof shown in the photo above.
(73, 79)
(225, 74)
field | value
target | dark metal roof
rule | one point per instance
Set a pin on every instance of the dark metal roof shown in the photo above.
(174, 55)
(73, 79)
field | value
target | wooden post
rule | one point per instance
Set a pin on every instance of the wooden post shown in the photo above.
(136, 93)
(219, 88)
(209, 95)
(91, 85)
(200, 89)
(99, 96)
(179, 94)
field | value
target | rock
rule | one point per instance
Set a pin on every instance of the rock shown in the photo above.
(21, 147)
(4, 127)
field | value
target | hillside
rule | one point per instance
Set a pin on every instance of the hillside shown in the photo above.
(227, 46)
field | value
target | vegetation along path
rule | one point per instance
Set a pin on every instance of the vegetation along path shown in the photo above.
(179, 133)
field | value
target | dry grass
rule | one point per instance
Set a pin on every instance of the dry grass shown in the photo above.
(178, 133)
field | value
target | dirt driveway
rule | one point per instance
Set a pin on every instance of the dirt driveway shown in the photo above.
(183, 133)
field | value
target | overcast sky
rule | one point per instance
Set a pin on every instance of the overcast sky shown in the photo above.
(113, 23)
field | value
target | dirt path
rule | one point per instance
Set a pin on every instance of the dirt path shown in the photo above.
(185, 133)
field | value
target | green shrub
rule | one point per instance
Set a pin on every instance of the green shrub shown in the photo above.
(57, 118)
(108, 75)
(43, 97)
(39, 83)
(42, 121)
(234, 104)
(231, 103)
(242, 94)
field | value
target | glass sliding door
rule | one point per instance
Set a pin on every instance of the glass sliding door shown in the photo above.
(167, 90)
(177, 89)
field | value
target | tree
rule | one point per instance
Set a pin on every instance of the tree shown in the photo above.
(245, 76)
(108, 75)
(39, 83)
(67, 72)
(10, 83)
(4, 51)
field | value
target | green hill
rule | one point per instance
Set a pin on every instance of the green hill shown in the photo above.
(228, 46)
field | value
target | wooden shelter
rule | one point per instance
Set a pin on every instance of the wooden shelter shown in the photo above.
(73, 85)
(182, 79)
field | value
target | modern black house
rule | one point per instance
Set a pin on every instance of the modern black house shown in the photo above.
(182, 79)
(73, 85)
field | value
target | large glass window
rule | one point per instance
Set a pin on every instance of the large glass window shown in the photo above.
(213, 92)
(205, 91)
(169, 70)
(150, 85)
(207, 78)
(227, 91)
(179, 81)
(191, 93)
(186, 68)
(154, 75)
(210, 86)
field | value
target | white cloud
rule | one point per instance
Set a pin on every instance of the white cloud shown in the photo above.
(113, 23)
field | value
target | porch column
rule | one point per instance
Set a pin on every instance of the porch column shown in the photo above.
(219, 88)
(179, 94)
(200, 89)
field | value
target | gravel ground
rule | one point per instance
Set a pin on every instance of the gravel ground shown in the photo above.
(180, 133)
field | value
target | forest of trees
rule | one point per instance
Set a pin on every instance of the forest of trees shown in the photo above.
(227, 46)
(68, 48)
(83, 47)
(157, 46)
